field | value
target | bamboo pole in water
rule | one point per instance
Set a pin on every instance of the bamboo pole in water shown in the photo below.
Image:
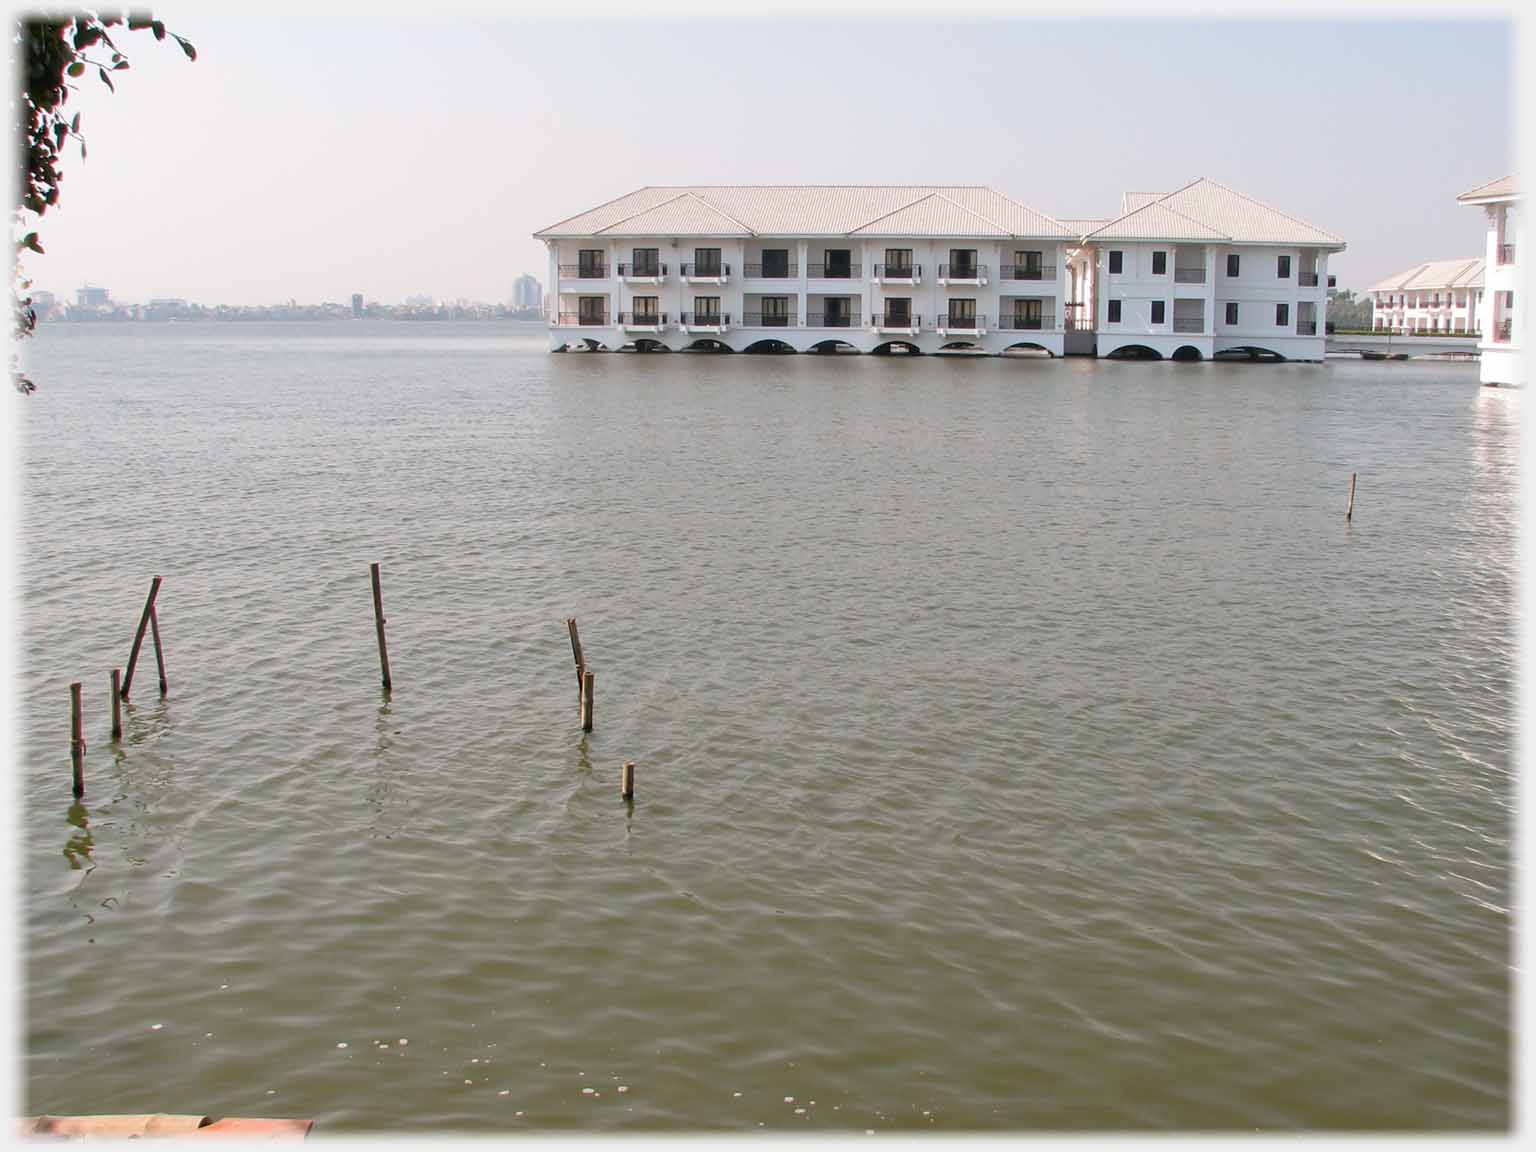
(154, 632)
(581, 662)
(588, 681)
(378, 621)
(1350, 512)
(76, 739)
(138, 639)
(627, 780)
(117, 704)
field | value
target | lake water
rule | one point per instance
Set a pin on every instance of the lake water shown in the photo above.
(1020, 745)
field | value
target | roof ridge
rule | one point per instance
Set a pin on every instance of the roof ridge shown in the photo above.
(1160, 202)
(721, 211)
(1025, 207)
(641, 212)
(886, 216)
(972, 212)
(1266, 207)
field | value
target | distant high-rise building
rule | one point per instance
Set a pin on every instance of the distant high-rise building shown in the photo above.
(43, 303)
(89, 297)
(357, 305)
(527, 292)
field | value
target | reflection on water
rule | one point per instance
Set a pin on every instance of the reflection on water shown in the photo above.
(1023, 745)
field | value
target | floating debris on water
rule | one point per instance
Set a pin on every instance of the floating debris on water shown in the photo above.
(343, 1044)
(505, 1092)
(799, 1111)
(156, 1027)
(623, 1087)
(402, 1041)
(789, 1099)
(586, 1091)
(735, 1093)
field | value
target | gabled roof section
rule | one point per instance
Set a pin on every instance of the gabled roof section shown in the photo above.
(1435, 274)
(1504, 188)
(1156, 221)
(1206, 210)
(933, 215)
(1130, 201)
(811, 210)
(684, 215)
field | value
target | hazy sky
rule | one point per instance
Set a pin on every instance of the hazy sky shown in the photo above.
(314, 158)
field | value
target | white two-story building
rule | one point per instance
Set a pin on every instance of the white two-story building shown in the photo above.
(873, 267)
(1201, 271)
(1502, 320)
(935, 268)
(1440, 296)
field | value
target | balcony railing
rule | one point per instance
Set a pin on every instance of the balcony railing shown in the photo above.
(1021, 323)
(758, 320)
(905, 320)
(1504, 331)
(961, 323)
(705, 319)
(912, 272)
(656, 270)
(1306, 279)
(756, 271)
(1306, 327)
(1027, 271)
(823, 320)
(835, 271)
(1189, 275)
(583, 271)
(977, 272)
(1189, 323)
(1506, 254)
(582, 319)
(706, 270)
(1079, 323)
(642, 319)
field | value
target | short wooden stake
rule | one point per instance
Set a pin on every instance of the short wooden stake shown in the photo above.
(138, 639)
(627, 780)
(117, 704)
(581, 662)
(154, 632)
(588, 680)
(1350, 512)
(76, 740)
(378, 620)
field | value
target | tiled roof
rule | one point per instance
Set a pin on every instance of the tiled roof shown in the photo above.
(1131, 201)
(1082, 227)
(1206, 210)
(1502, 188)
(1435, 274)
(811, 210)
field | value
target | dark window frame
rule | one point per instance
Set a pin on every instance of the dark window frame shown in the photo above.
(1159, 263)
(1114, 312)
(1159, 310)
(1234, 265)
(1116, 262)
(1231, 312)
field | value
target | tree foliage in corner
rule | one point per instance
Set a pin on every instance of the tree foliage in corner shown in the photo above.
(54, 52)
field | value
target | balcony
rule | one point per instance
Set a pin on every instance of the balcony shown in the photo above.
(835, 271)
(583, 271)
(1190, 324)
(1081, 323)
(705, 321)
(1503, 332)
(581, 320)
(642, 273)
(643, 321)
(1306, 327)
(790, 271)
(1306, 279)
(1506, 254)
(898, 322)
(705, 273)
(1019, 322)
(970, 325)
(833, 320)
(772, 320)
(1189, 275)
(1026, 271)
(962, 273)
(898, 273)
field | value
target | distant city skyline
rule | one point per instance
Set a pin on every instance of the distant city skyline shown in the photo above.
(199, 187)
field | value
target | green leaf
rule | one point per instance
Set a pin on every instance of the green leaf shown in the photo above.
(187, 48)
(74, 125)
(76, 69)
(120, 65)
(30, 241)
(158, 29)
(107, 80)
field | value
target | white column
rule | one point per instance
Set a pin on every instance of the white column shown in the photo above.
(554, 280)
(803, 248)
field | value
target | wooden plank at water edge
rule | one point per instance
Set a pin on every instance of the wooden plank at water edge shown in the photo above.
(164, 1124)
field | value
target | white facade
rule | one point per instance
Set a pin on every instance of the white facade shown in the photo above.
(931, 269)
(1441, 296)
(1502, 319)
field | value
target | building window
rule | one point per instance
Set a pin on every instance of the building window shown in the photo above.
(962, 313)
(1114, 305)
(1028, 265)
(776, 263)
(1159, 263)
(1231, 313)
(1233, 264)
(647, 262)
(962, 263)
(1284, 270)
(589, 264)
(1157, 311)
(898, 261)
(706, 261)
(1115, 262)
(645, 306)
(775, 311)
(706, 309)
(592, 310)
(1282, 315)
